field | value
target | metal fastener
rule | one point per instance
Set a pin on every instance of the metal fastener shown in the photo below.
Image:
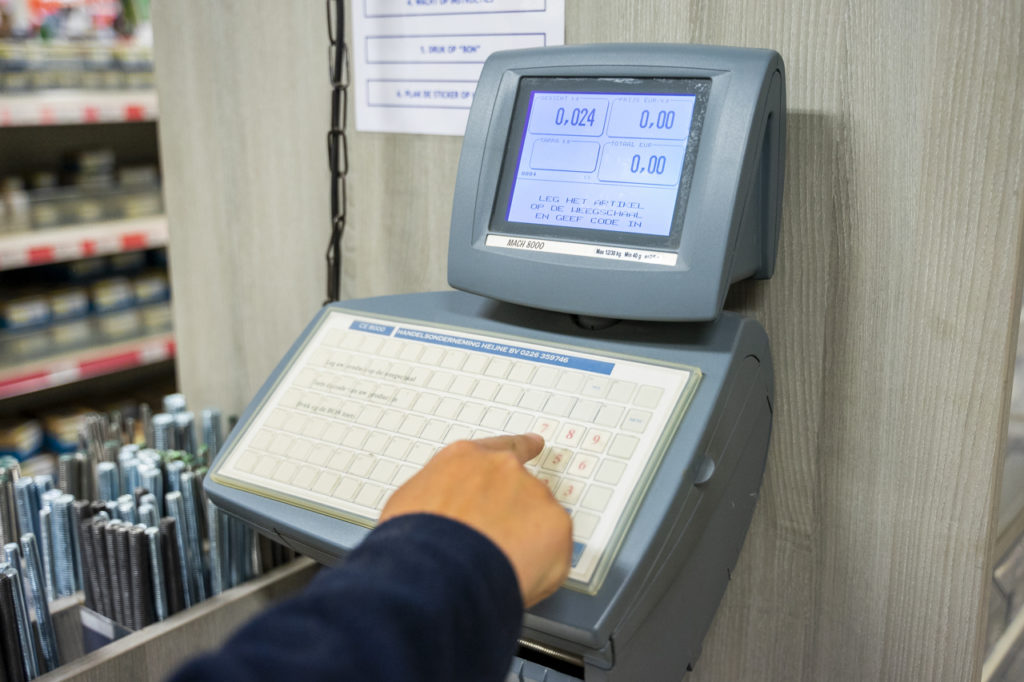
(156, 568)
(176, 509)
(109, 481)
(63, 546)
(194, 550)
(44, 623)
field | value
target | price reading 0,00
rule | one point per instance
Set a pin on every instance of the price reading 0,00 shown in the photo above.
(663, 120)
(580, 117)
(655, 165)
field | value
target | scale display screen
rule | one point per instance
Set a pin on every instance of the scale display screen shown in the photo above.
(600, 160)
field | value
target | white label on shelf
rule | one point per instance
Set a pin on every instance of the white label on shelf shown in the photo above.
(64, 374)
(153, 352)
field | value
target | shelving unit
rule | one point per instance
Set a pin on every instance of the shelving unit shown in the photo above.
(83, 364)
(36, 129)
(60, 244)
(74, 107)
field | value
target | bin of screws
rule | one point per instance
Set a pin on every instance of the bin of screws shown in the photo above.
(125, 523)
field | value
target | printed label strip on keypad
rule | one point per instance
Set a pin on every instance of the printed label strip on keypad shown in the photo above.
(368, 401)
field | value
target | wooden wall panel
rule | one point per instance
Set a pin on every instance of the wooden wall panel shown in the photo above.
(244, 109)
(892, 313)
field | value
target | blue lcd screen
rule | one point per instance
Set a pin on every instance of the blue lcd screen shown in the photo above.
(602, 161)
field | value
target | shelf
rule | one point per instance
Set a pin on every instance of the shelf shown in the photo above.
(58, 244)
(68, 368)
(73, 107)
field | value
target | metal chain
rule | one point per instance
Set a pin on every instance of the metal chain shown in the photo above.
(337, 142)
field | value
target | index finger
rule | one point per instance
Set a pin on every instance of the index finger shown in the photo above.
(525, 446)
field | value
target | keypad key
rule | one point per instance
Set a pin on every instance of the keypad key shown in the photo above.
(570, 435)
(550, 480)
(595, 387)
(521, 372)
(648, 396)
(434, 430)
(305, 477)
(545, 427)
(360, 465)
(475, 364)
(384, 471)
(596, 498)
(584, 524)
(636, 421)
(427, 402)
(519, 422)
(280, 444)
(355, 438)
(376, 443)
(621, 391)
(294, 424)
(623, 446)
(448, 408)
(325, 483)
(391, 420)
(285, 471)
(412, 425)
(509, 395)
(609, 415)
(458, 432)
(411, 352)
(392, 348)
(319, 455)
(471, 413)
(596, 440)
(453, 359)
(440, 381)
(557, 459)
(498, 368)
(262, 439)
(420, 453)
(397, 447)
(277, 418)
(559, 405)
(534, 399)
(495, 418)
(583, 465)
(404, 474)
(569, 491)
(340, 460)
(610, 472)
(545, 377)
(247, 462)
(570, 382)
(346, 489)
(265, 466)
(585, 411)
(432, 356)
(370, 416)
(485, 389)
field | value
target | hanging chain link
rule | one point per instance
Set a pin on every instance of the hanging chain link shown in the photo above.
(337, 142)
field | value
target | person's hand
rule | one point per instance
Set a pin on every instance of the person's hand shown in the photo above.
(484, 485)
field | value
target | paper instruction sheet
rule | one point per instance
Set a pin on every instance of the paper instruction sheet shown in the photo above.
(416, 62)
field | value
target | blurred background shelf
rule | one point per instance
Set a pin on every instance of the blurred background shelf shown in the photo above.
(74, 107)
(61, 244)
(87, 363)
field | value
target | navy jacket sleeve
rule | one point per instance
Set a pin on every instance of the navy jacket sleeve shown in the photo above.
(422, 598)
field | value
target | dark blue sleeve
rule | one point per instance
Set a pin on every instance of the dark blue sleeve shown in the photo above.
(422, 598)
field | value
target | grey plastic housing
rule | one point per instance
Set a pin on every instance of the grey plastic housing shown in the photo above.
(653, 609)
(729, 229)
